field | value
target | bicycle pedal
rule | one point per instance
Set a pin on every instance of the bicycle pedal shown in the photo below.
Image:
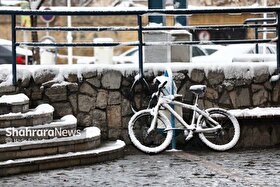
(190, 135)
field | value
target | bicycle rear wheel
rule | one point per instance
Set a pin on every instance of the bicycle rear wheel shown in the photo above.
(154, 142)
(224, 138)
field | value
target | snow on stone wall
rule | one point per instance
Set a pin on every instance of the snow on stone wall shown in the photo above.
(98, 94)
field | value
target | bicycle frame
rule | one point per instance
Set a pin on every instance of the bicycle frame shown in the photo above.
(165, 101)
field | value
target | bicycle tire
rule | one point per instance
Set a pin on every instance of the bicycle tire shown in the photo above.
(222, 139)
(158, 140)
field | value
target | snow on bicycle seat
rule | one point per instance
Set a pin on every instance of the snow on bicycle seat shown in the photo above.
(198, 89)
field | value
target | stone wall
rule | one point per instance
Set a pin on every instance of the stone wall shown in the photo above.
(98, 95)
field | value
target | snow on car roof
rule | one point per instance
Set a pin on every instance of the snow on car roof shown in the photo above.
(5, 42)
(233, 49)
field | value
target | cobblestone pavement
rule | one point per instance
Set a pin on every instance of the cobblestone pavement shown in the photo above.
(182, 168)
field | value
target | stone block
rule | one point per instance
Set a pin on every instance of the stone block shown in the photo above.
(126, 108)
(114, 134)
(84, 119)
(5, 123)
(36, 93)
(212, 94)
(111, 80)
(99, 118)
(114, 116)
(276, 93)
(101, 100)
(260, 97)
(65, 148)
(36, 152)
(71, 77)
(7, 89)
(85, 103)
(242, 82)
(73, 87)
(40, 119)
(57, 93)
(44, 75)
(240, 97)
(89, 74)
(261, 77)
(197, 75)
(215, 77)
(225, 98)
(19, 122)
(114, 98)
(7, 155)
(87, 145)
(88, 90)
(94, 82)
(62, 109)
(74, 102)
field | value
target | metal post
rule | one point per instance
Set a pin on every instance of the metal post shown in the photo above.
(140, 46)
(69, 36)
(278, 42)
(14, 65)
(156, 4)
(181, 4)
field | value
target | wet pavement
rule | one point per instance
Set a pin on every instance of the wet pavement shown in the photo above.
(182, 168)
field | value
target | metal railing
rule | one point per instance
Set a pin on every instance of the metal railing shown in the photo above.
(257, 31)
(140, 28)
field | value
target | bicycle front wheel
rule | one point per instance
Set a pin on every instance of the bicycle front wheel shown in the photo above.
(155, 141)
(224, 138)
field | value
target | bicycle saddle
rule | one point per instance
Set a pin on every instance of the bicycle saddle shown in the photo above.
(198, 89)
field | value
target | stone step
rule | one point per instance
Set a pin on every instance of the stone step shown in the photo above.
(42, 114)
(64, 127)
(14, 103)
(87, 139)
(107, 151)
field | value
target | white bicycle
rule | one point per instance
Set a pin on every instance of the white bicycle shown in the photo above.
(151, 131)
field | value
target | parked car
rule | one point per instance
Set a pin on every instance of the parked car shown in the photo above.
(241, 53)
(210, 49)
(6, 53)
(131, 56)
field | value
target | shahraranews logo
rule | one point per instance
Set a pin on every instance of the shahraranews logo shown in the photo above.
(27, 132)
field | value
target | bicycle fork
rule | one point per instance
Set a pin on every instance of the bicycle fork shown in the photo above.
(154, 112)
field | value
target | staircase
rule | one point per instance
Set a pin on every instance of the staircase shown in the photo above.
(30, 140)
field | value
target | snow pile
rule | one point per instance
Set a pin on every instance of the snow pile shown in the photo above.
(6, 76)
(231, 71)
(14, 99)
(41, 109)
(256, 112)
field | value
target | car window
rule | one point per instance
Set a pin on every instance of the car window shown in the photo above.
(210, 51)
(197, 52)
(131, 53)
